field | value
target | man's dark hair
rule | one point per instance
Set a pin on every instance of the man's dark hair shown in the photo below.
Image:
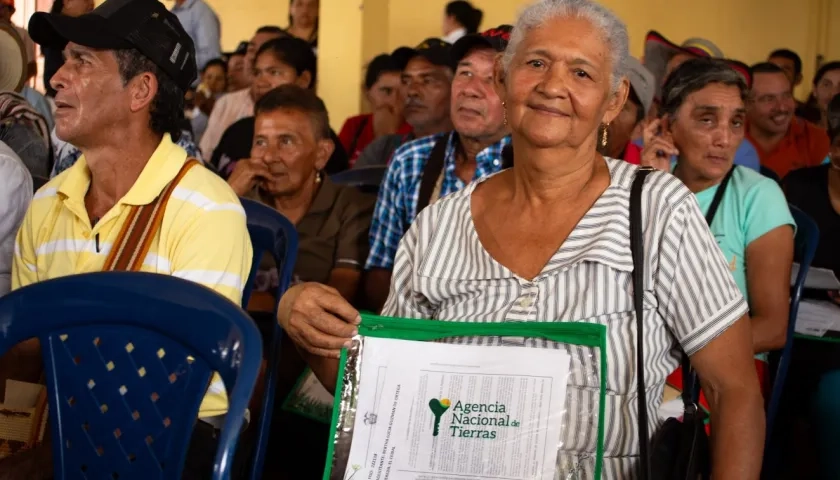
(465, 14)
(167, 107)
(292, 97)
(217, 62)
(273, 29)
(295, 53)
(789, 55)
(380, 64)
(765, 67)
(694, 75)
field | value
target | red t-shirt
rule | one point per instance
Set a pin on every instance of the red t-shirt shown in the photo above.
(804, 145)
(357, 133)
(633, 153)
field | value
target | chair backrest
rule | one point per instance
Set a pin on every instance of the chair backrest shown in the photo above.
(272, 232)
(805, 246)
(770, 174)
(367, 179)
(128, 357)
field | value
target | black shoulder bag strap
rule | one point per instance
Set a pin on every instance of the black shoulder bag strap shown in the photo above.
(356, 136)
(431, 172)
(691, 386)
(637, 247)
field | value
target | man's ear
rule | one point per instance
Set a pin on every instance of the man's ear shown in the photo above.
(143, 89)
(616, 100)
(499, 77)
(304, 80)
(323, 152)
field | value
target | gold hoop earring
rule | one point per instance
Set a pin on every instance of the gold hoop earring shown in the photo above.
(604, 135)
(504, 112)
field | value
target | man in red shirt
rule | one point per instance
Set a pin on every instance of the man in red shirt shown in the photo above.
(783, 142)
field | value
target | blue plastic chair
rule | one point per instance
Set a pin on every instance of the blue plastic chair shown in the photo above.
(367, 179)
(270, 232)
(128, 357)
(805, 246)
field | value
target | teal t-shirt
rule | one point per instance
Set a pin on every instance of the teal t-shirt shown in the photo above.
(752, 206)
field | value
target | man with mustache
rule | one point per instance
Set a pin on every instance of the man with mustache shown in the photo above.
(426, 83)
(429, 168)
(783, 142)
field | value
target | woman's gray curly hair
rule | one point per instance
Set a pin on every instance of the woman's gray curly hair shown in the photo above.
(613, 30)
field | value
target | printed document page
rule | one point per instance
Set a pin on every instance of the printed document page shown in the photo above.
(436, 411)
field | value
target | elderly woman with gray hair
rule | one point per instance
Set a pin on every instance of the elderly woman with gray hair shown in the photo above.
(548, 240)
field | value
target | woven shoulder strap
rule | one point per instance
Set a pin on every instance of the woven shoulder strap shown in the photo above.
(139, 229)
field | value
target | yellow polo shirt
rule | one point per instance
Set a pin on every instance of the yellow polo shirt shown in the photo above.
(203, 236)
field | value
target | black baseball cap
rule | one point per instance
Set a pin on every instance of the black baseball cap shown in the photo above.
(495, 38)
(435, 50)
(145, 25)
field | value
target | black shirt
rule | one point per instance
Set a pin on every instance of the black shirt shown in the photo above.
(236, 145)
(807, 188)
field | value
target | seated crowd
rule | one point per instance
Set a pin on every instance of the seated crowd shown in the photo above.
(505, 160)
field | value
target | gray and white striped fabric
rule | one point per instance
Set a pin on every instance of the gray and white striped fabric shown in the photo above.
(443, 272)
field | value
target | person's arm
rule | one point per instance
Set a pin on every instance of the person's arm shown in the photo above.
(768, 233)
(320, 322)
(769, 260)
(702, 306)
(727, 375)
(387, 228)
(194, 248)
(15, 242)
(23, 361)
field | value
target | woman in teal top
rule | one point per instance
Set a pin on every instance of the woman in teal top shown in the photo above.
(703, 123)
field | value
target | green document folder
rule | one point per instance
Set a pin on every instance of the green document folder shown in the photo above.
(585, 341)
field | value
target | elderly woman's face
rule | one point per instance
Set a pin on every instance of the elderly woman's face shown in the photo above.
(286, 141)
(557, 87)
(708, 128)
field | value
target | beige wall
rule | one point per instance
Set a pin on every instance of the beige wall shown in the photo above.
(241, 18)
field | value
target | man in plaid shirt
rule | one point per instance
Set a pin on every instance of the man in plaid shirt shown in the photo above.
(472, 151)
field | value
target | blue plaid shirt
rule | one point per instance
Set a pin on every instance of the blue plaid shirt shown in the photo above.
(397, 203)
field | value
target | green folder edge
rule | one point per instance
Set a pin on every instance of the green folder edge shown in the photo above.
(575, 333)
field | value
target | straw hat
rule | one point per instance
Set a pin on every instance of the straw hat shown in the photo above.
(12, 59)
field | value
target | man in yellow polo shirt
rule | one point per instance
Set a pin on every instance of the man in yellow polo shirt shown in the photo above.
(119, 99)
